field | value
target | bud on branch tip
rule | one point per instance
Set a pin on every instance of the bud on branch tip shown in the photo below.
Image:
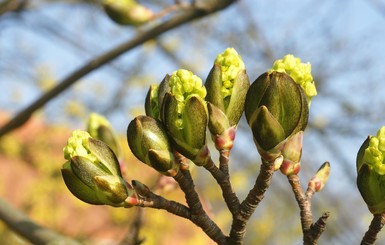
(371, 171)
(320, 178)
(92, 172)
(300, 72)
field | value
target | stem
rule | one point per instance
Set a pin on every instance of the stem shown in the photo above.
(224, 161)
(25, 227)
(311, 232)
(198, 215)
(375, 227)
(303, 203)
(248, 206)
(223, 180)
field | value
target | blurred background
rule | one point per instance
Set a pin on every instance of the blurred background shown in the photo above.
(41, 42)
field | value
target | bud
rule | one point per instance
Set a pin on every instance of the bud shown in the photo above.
(155, 96)
(92, 172)
(320, 178)
(184, 113)
(227, 85)
(292, 152)
(127, 12)
(276, 109)
(149, 142)
(222, 133)
(300, 72)
(100, 128)
(371, 172)
(151, 105)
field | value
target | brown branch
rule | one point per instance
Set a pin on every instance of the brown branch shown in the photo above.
(375, 227)
(186, 15)
(319, 226)
(223, 181)
(224, 158)
(248, 206)
(25, 227)
(149, 199)
(198, 215)
(311, 232)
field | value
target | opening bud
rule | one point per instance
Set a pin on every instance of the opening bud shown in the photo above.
(300, 72)
(371, 171)
(92, 172)
(100, 128)
(227, 85)
(276, 109)
(184, 113)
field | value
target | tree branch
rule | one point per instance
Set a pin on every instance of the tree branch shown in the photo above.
(186, 15)
(223, 181)
(198, 215)
(311, 232)
(375, 227)
(25, 227)
(248, 206)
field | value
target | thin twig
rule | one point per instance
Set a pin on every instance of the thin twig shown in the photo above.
(319, 226)
(223, 180)
(185, 16)
(25, 227)
(149, 199)
(311, 232)
(248, 206)
(303, 203)
(375, 227)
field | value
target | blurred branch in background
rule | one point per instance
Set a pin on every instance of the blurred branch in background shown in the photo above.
(31, 231)
(12, 5)
(185, 15)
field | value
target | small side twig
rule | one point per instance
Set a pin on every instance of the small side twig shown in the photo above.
(375, 227)
(311, 232)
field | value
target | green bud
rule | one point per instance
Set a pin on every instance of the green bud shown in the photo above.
(149, 142)
(227, 85)
(92, 172)
(184, 114)
(127, 12)
(276, 108)
(155, 96)
(300, 72)
(100, 128)
(222, 133)
(320, 178)
(218, 121)
(371, 171)
(292, 152)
